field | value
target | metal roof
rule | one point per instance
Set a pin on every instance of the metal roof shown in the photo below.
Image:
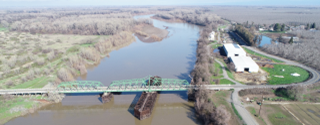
(233, 48)
(244, 61)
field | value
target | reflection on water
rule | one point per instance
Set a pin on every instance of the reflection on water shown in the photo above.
(267, 40)
(173, 57)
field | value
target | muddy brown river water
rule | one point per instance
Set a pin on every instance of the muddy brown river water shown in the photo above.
(173, 57)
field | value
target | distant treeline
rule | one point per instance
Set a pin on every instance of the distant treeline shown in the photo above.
(78, 21)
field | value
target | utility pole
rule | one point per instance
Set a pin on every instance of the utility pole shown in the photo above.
(260, 105)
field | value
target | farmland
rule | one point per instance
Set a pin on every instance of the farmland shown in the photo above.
(271, 15)
(309, 114)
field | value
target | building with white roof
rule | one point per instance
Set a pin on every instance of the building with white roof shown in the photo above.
(211, 35)
(234, 50)
(244, 63)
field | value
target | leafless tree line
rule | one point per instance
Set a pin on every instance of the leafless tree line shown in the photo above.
(208, 112)
(307, 52)
(204, 67)
(193, 16)
(78, 21)
(294, 93)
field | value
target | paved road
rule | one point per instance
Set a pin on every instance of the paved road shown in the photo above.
(225, 74)
(315, 73)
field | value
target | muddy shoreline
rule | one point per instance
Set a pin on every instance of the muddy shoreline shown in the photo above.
(149, 33)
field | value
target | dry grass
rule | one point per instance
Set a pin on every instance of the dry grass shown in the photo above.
(309, 114)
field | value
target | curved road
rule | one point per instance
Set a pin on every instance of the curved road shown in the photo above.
(248, 119)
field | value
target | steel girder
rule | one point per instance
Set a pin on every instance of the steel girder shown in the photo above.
(129, 85)
(79, 86)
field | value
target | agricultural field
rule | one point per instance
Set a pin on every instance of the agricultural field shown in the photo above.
(276, 73)
(31, 60)
(272, 115)
(309, 114)
(271, 15)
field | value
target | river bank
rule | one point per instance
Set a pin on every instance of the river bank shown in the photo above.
(148, 33)
(127, 63)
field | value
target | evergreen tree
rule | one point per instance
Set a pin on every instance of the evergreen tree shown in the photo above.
(291, 40)
(280, 38)
(247, 25)
(277, 27)
(313, 25)
(308, 26)
(283, 27)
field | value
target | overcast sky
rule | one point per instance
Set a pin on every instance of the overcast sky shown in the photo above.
(156, 2)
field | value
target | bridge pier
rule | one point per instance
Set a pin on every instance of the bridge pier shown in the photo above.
(106, 97)
(144, 106)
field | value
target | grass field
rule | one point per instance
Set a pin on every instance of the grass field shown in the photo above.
(216, 46)
(228, 71)
(220, 98)
(272, 32)
(5, 107)
(309, 114)
(226, 82)
(218, 67)
(3, 29)
(279, 116)
(254, 114)
(288, 78)
(236, 111)
(262, 56)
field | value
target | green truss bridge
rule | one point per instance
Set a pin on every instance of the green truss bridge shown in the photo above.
(148, 84)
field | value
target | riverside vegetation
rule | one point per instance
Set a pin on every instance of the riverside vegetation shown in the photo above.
(205, 70)
(54, 46)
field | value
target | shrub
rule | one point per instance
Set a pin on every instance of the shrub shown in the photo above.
(12, 61)
(9, 83)
(51, 55)
(90, 54)
(24, 79)
(37, 71)
(46, 71)
(30, 74)
(23, 59)
(40, 61)
(64, 75)
(6, 68)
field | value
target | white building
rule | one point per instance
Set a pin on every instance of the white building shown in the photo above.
(244, 63)
(211, 35)
(233, 50)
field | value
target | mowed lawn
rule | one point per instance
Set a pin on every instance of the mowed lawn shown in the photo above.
(309, 114)
(288, 78)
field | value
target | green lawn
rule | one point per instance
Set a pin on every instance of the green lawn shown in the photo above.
(35, 83)
(3, 29)
(236, 111)
(216, 46)
(272, 32)
(260, 55)
(222, 27)
(5, 107)
(226, 82)
(277, 70)
(228, 71)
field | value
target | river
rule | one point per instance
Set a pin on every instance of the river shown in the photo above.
(173, 57)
